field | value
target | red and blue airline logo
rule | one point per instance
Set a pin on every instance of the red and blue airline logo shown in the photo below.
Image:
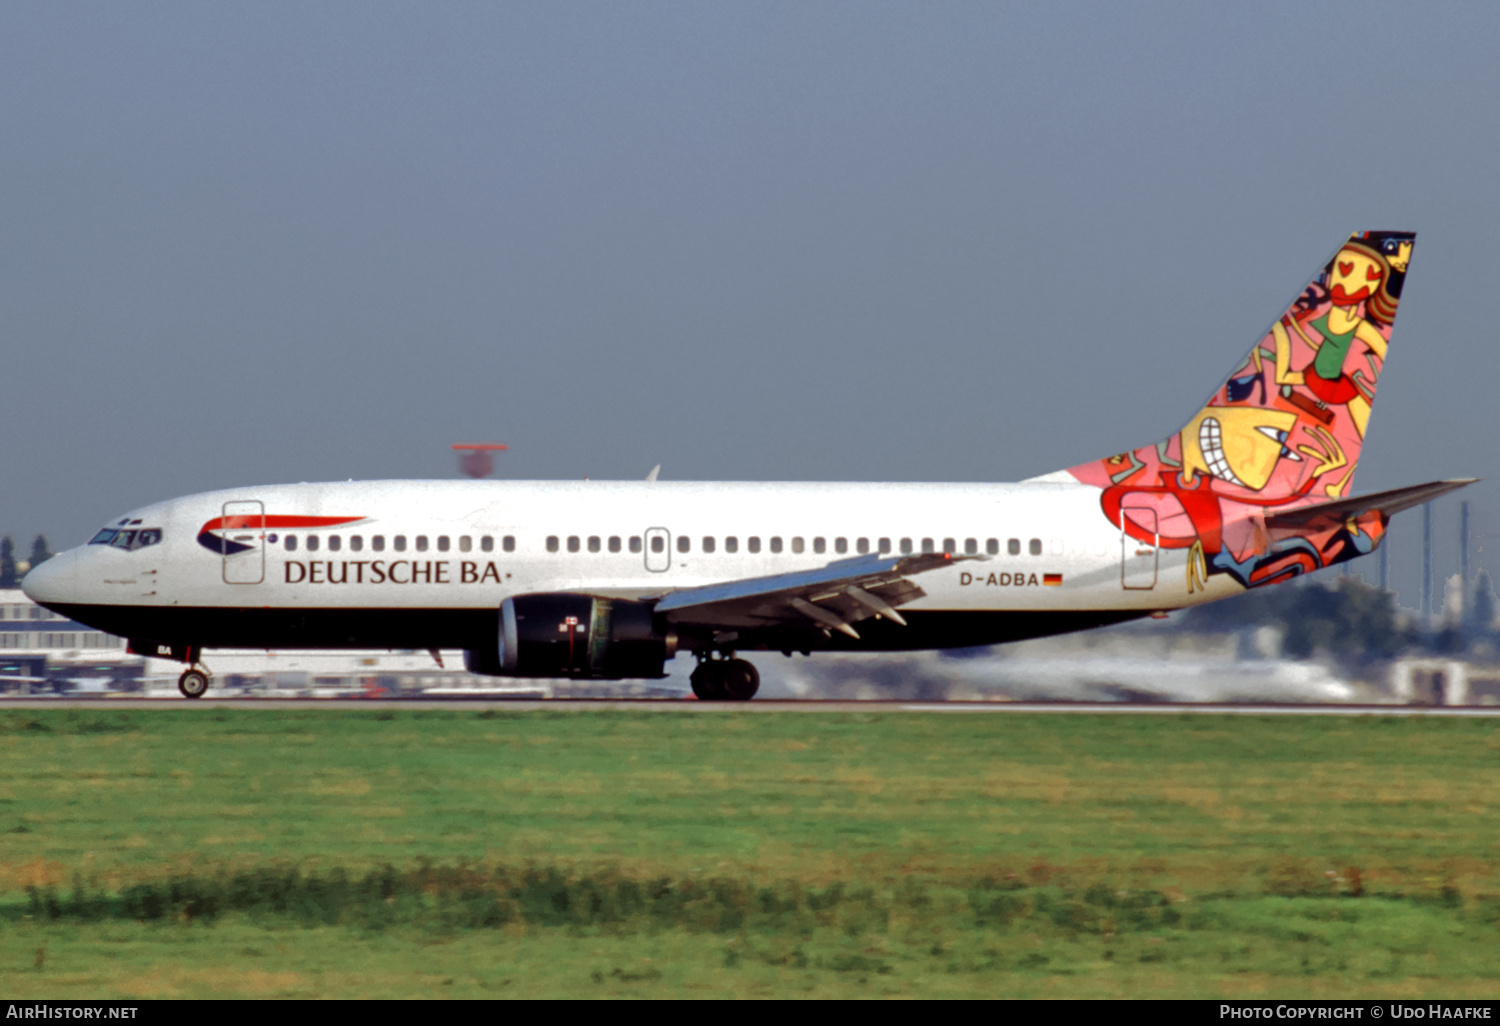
(214, 535)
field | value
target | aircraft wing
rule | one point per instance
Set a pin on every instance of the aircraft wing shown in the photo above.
(830, 597)
(1387, 503)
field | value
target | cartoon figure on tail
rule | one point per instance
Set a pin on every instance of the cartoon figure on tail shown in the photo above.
(1281, 435)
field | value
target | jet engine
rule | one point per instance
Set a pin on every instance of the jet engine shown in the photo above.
(580, 636)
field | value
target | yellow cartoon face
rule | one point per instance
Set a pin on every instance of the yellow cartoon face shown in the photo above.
(1237, 444)
(1354, 277)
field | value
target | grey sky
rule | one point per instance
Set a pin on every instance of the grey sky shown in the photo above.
(259, 242)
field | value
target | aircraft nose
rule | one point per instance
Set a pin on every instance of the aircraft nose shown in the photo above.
(56, 581)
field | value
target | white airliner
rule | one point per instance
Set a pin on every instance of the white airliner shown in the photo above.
(610, 579)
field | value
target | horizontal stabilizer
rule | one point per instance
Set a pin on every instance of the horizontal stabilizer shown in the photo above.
(1387, 503)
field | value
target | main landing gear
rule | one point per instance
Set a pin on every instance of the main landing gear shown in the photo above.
(725, 680)
(193, 682)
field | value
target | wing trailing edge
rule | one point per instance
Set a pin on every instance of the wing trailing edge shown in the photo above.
(831, 597)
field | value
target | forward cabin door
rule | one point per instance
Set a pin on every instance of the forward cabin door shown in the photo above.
(242, 541)
(1137, 557)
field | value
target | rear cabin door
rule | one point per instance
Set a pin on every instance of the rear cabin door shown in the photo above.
(242, 541)
(1138, 557)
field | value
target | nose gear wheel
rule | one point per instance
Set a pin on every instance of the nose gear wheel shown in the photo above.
(193, 683)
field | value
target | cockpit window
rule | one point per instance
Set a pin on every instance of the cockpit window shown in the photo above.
(127, 539)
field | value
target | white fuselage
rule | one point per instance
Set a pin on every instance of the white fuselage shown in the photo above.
(451, 547)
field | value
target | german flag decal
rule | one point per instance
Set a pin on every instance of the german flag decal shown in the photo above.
(1052, 580)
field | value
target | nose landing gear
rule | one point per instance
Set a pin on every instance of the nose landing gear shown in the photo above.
(193, 682)
(724, 680)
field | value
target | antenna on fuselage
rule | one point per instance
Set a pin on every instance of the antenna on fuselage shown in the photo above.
(477, 459)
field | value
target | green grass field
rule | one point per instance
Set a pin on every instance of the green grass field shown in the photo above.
(340, 852)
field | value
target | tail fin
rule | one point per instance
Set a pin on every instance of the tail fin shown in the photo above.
(1283, 431)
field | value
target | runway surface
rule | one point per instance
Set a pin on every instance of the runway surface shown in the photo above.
(771, 706)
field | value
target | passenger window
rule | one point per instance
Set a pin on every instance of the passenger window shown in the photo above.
(862, 546)
(992, 546)
(819, 545)
(1013, 546)
(421, 543)
(971, 546)
(551, 543)
(614, 543)
(841, 545)
(776, 543)
(905, 546)
(753, 543)
(684, 543)
(635, 543)
(950, 546)
(658, 543)
(291, 543)
(797, 544)
(885, 546)
(335, 543)
(731, 544)
(378, 543)
(1036, 546)
(509, 544)
(465, 543)
(442, 543)
(927, 546)
(312, 543)
(357, 542)
(487, 543)
(708, 543)
(594, 544)
(573, 543)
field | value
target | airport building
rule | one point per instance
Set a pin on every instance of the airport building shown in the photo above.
(41, 652)
(45, 654)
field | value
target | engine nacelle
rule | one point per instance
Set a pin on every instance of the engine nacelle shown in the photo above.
(565, 635)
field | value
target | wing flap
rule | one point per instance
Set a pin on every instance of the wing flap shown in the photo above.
(830, 597)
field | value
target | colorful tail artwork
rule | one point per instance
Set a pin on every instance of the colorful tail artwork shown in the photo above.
(1282, 433)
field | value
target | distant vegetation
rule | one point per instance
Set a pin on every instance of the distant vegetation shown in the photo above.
(1350, 620)
(10, 573)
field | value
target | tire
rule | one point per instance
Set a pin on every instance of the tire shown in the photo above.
(708, 681)
(192, 683)
(740, 680)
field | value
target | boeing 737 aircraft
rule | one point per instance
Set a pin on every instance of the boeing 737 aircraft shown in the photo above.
(610, 579)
